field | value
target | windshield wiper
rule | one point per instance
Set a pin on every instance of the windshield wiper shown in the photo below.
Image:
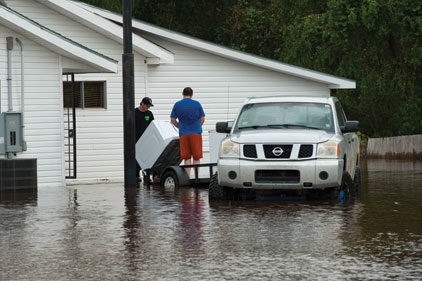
(278, 125)
(251, 127)
(262, 126)
(293, 125)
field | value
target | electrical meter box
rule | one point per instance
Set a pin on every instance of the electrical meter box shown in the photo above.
(10, 132)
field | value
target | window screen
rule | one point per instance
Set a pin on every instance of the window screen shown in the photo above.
(67, 94)
(89, 94)
(94, 94)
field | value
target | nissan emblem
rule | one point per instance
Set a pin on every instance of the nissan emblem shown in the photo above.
(277, 151)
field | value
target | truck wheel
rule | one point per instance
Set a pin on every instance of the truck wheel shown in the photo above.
(215, 191)
(347, 185)
(170, 180)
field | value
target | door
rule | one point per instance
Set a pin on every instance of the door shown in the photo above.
(350, 140)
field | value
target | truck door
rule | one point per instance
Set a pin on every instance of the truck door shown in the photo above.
(350, 140)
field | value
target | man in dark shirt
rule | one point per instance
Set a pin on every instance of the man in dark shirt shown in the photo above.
(143, 117)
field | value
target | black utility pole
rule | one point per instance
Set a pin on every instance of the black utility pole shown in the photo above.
(128, 97)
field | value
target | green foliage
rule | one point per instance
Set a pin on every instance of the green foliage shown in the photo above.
(363, 139)
(378, 43)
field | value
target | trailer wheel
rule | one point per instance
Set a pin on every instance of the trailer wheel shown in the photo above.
(216, 191)
(170, 180)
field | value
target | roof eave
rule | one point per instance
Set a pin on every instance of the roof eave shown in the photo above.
(55, 43)
(108, 28)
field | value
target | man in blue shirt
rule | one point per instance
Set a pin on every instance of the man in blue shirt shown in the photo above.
(188, 116)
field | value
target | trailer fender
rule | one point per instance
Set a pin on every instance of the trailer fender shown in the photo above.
(180, 176)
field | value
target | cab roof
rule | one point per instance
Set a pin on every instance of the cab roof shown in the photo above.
(289, 99)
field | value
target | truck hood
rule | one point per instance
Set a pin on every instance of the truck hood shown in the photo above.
(281, 136)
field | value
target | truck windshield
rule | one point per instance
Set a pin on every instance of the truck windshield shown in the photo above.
(286, 115)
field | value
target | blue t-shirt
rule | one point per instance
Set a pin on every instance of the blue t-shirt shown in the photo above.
(188, 112)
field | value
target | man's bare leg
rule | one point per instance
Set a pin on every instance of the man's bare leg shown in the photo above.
(188, 162)
(196, 162)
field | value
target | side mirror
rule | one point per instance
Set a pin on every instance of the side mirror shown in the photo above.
(230, 124)
(350, 127)
(223, 127)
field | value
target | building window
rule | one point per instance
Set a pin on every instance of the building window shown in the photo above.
(89, 94)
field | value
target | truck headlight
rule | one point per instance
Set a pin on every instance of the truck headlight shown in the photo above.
(328, 148)
(229, 149)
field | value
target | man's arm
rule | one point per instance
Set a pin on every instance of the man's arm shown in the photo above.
(174, 122)
(202, 114)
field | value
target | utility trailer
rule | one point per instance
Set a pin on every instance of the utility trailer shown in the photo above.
(158, 154)
(175, 176)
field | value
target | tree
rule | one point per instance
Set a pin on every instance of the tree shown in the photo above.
(378, 43)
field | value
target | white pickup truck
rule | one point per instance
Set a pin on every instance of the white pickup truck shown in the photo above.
(288, 145)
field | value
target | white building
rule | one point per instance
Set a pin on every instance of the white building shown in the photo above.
(63, 37)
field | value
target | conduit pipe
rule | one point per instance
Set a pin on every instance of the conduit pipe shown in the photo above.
(9, 80)
(22, 95)
(146, 79)
(9, 73)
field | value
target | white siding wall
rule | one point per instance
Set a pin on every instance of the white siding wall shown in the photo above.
(220, 85)
(43, 105)
(99, 131)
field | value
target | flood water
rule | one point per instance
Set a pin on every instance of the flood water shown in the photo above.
(104, 232)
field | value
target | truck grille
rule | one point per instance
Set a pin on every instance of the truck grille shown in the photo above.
(272, 151)
(306, 150)
(277, 176)
(249, 150)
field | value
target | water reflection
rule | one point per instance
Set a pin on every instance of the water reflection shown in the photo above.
(391, 220)
(107, 232)
(18, 197)
(132, 228)
(191, 221)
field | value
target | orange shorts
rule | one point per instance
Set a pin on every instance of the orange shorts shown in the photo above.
(191, 145)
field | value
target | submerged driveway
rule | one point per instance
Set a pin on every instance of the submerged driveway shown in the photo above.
(104, 232)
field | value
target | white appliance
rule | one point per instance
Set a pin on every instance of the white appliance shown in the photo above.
(158, 146)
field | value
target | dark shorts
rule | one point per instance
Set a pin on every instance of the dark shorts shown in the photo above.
(191, 146)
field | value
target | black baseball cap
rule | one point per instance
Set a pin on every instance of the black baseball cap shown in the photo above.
(147, 101)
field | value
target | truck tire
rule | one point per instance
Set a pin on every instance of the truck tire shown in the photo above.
(170, 180)
(215, 191)
(347, 185)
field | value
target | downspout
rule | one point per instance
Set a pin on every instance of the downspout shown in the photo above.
(9, 81)
(22, 95)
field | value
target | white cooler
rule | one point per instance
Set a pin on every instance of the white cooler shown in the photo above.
(158, 147)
